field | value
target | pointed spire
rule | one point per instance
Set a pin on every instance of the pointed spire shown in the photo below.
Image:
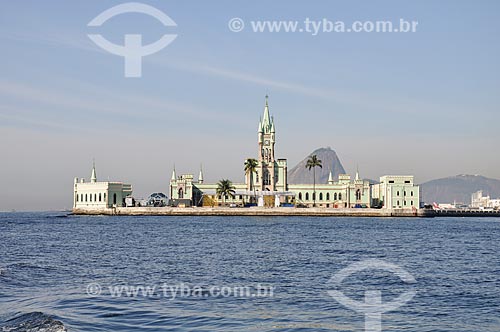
(200, 176)
(330, 178)
(266, 120)
(357, 173)
(173, 174)
(93, 177)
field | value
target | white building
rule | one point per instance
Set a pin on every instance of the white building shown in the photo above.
(96, 194)
(480, 201)
(396, 192)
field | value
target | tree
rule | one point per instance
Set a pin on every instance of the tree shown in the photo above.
(314, 162)
(251, 168)
(225, 188)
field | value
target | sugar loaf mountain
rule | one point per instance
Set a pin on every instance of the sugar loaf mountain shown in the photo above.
(330, 163)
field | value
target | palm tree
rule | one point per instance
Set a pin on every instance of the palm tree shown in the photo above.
(314, 162)
(251, 167)
(225, 188)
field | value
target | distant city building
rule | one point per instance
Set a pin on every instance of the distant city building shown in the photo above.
(480, 201)
(396, 192)
(96, 194)
(272, 189)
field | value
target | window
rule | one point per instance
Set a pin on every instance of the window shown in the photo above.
(81, 197)
(407, 181)
(320, 196)
(181, 193)
(397, 194)
(358, 194)
(411, 193)
(100, 197)
(411, 203)
(300, 196)
(77, 197)
(114, 198)
(397, 203)
(391, 181)
(404, 193)
(327, 196)
(405, 202)
(307, 196)
(340, 196)
(104, 197)
(314, 196)
(335, 196)
(90, 197)
(85, 197)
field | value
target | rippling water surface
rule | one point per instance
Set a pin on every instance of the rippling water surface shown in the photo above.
(47, 261)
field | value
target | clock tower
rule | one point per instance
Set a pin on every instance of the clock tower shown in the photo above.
(267, 171)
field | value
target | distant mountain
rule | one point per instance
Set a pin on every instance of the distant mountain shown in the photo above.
(459, 188)
(330, 162)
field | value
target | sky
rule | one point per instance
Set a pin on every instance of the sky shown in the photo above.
(424, 103)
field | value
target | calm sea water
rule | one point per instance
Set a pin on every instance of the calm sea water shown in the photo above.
(47, 262)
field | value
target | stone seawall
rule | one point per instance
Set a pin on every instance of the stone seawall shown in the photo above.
(253, 211)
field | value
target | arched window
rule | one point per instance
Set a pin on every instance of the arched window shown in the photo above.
(327, 196)
(340, 196)
(104, 197)
(397, 195)
(335, 196)
(100, 197)
(320, 196)
(81, 197)
(300, 196)
(77, 197)
(95, 197)
(307, 196)
(411, 194)
(314, 196)
(114, 198)
(358, 195)
(398, 203)
(90, 197)
(181, 193)
(85, 197)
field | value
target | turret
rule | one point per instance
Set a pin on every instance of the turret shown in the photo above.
(200, 176)
(93, 177)
(173, 175)
(330, 178)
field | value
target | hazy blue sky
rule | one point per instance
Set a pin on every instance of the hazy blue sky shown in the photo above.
(424, 103)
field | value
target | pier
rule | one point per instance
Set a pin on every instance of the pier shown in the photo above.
(255, 211)
(467, 213)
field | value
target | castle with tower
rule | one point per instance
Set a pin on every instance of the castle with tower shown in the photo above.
(267, 186)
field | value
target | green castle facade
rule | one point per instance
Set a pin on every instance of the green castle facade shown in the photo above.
(269, 186)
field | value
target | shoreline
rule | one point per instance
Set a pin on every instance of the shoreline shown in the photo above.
(255, 211)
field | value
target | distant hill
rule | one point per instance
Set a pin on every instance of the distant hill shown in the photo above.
(330, 161)
(459, 188)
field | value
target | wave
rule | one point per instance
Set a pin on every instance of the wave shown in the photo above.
(33, 322)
